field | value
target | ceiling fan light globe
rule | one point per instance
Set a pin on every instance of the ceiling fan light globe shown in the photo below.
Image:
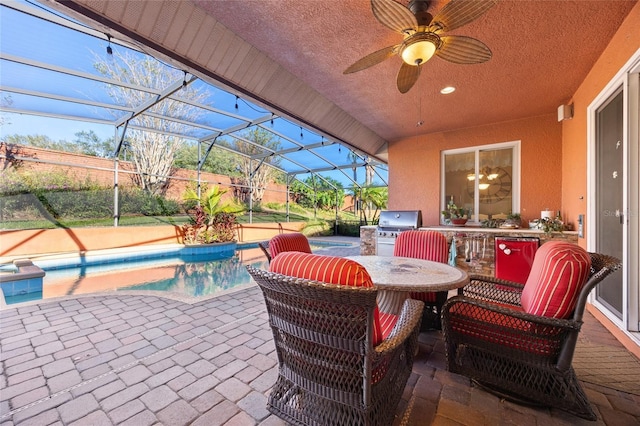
(418, 48)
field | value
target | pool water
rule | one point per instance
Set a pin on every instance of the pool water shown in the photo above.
(191, 276)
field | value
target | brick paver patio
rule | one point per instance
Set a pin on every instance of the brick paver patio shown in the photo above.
(140, 360)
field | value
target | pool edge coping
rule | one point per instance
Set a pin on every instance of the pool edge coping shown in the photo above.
(167, 295)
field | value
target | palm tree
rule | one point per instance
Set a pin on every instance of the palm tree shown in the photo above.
(373, 199)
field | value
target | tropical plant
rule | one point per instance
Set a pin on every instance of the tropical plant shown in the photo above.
(374, 199)
(318, 193)
(211, 220)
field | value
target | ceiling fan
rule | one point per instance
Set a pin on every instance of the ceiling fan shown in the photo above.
(423, 36)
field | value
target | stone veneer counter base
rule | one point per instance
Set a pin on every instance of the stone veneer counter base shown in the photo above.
(486, 265)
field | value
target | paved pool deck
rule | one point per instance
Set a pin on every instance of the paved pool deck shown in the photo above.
(141, 359)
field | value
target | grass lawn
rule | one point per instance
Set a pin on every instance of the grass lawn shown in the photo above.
(264, 216)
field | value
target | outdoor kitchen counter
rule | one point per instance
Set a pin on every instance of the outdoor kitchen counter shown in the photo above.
(483, 266)
(486, 265)
(511, 232)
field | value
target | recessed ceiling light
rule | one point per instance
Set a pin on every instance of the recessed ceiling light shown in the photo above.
(447, 90)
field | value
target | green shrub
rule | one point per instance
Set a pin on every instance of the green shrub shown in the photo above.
(136, 201)
(27, 195)
(95, 203)
(349, 228)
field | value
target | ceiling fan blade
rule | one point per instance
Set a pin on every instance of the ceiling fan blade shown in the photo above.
(372, 59)
(463, 50)
(394, 15)
(407, 77)
(457, 13)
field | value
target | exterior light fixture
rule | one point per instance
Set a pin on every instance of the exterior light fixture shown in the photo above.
(109, 49)
(418, 48)
(447, 90)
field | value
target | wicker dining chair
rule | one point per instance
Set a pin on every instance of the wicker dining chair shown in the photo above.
(292, 241)
(264, 246)
(427, 245)
(341, 361)
(518, 341)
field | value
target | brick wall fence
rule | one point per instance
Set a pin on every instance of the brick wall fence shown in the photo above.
(100, 170)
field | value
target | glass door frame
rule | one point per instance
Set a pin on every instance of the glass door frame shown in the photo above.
(628, 78)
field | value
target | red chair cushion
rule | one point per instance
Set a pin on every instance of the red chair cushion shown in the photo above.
(294, 241)
(559, 271)
(333, 270)
(427, 245)
(387, 322)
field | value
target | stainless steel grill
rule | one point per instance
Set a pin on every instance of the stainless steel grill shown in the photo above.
(391, 223)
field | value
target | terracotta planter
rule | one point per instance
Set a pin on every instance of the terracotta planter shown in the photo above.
(458, 222)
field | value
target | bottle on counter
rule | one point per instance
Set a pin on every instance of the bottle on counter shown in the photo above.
(558, 222)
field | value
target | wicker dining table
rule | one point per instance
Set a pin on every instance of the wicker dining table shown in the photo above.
(398, 277)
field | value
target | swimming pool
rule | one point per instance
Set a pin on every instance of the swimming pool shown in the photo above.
(184, 276)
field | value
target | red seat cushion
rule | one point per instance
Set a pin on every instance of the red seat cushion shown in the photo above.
(427, 245)
(558, 273)
(428, 297)
(294, 241)
(504, 330)
(333, 270)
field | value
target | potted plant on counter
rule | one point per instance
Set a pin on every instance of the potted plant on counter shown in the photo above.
(454, 215)
(513, 221)
(547, 225)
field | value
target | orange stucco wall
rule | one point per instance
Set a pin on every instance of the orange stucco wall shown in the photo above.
(78, 240)
(574, 132)
(553, 156)
(416, 185)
